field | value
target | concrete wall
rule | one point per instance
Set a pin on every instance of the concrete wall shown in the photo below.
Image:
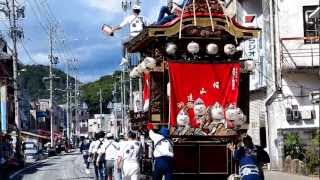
(295, 87)
(291, 25)
(257, 114)
(254, 48)
(295, 91)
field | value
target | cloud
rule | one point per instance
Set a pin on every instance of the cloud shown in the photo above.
(41, 58)
(110, 6)
(81, 20)
(86, 78)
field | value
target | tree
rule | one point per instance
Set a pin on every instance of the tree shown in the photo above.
(313, 154)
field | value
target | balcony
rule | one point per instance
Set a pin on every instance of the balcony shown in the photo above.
(296, 56)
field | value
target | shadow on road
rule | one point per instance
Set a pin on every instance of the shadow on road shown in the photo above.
(32, 170)
(77, 178)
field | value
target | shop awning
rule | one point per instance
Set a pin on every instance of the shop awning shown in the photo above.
(34, 135)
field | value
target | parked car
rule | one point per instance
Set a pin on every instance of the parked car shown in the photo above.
(51, 151)
(31, 152)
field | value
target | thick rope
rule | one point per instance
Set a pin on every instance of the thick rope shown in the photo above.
(181, 18)
(194, 13)
(227, 19)
(211, 19)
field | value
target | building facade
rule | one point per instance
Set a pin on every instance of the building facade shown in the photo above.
(6, 90)
(251, 13)
(40, 116)
(293, 73)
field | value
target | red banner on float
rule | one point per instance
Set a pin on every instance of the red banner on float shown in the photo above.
(146, 91)
(210, 82)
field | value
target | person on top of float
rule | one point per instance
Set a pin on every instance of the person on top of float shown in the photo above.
(135, 21)
(172, 10)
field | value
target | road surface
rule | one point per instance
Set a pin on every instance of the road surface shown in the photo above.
(70, 167)
(276, 175)
(64, 167)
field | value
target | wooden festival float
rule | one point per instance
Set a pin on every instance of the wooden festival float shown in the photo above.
(196, 83)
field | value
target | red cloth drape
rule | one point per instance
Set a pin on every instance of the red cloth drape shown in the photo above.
(146, 87)
(210, 82)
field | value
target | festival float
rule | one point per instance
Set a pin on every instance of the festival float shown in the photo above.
(195, 82)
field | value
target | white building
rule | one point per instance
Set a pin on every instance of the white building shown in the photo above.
(251, 13)
(100, 122)
(293, 72)
(43, 122)
(287, 60)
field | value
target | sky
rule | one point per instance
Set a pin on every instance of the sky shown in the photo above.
(78, 34)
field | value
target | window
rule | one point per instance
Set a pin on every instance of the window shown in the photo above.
(311, 24)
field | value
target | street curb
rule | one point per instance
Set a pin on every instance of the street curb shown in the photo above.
(26, 168)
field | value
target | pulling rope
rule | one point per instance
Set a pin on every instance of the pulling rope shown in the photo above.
(181, 18)
(194, 13)
(227, 19)
(211, 19)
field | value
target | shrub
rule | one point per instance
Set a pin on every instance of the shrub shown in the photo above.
(293, 146)
(312, 156)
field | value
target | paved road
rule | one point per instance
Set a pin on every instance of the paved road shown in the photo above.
(64, 167)
(70, 167)
(276, 175)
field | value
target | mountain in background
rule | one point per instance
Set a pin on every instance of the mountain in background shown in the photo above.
(90, 93)
(33, 83)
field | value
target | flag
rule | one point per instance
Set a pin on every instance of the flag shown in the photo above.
(210, 82)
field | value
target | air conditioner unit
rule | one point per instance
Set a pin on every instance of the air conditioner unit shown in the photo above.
(296, 115)
(289, 115)
(308, 114)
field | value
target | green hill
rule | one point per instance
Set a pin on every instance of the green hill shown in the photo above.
(90, 93)
(32, 80)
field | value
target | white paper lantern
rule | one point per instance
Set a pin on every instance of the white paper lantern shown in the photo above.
(217, 112)
(193, 47)
(249, 65)
(171, 48)
(232, 113)
(141, 67)
(183, 118)
(229, 49)
(199, 107)
(212, 48)
(240, 120)
(168, 89)
(239, 48)
(150, 62)
(134, 73)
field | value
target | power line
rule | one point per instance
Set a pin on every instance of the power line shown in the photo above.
(44, 27)
(27, 52)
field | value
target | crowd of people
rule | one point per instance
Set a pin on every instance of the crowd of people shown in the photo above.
(121, 158)
(6, 153)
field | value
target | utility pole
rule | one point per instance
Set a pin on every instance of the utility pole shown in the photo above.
(76, 102)
(122, 101)
(75, 105)
(15, 64)
(53, 61)
(51, 84)
(100, 99)
(68, 104)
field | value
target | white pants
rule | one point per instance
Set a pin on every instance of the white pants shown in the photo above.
(131, 170)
